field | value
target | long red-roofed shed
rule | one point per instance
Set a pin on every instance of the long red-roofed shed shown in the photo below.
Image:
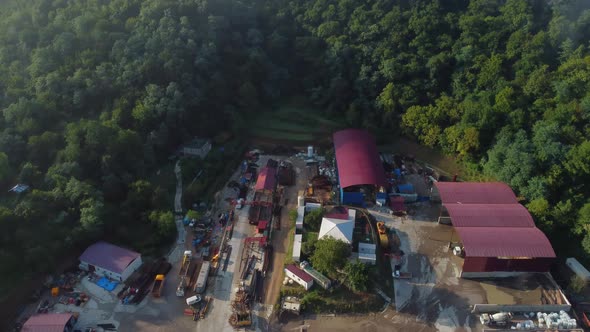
(357, 159)
(490, 249)
(489, 215)
(475, 193)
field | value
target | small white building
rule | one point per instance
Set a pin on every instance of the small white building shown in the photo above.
(300, 215)
(338, 225)
(312, 206)
(297, 247)
(367, 253)
(299, 276)
(197, 147)
(109, 260)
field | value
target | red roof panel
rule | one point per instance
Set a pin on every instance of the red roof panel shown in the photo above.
(262, 225)
(489, 215)
(505, 242)
(357, 158)
(46, 323)
(267, 179)
(299, 272)
(475, 193)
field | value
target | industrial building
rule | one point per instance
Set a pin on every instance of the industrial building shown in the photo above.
(49, 323)
(496, 235)
(360, 171)
(110, 261)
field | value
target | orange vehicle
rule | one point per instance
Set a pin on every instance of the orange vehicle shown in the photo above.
(158, 285)
(383, 237)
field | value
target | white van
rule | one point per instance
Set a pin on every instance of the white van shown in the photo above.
(193, 300)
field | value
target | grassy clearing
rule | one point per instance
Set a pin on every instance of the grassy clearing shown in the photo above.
(284, 135)
(293, 122)
(291, 236)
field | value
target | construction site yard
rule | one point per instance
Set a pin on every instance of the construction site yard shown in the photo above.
(436, 294)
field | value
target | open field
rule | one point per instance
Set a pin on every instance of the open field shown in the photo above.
(293, 123)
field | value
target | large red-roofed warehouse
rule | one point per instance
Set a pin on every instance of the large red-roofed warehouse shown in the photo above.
(497, 234)
(358, 163)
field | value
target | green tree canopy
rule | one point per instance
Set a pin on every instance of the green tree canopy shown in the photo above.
(330, 255)
(313, 220)
(357, 275)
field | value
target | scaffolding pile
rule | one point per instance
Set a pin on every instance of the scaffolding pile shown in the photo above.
(241, 313)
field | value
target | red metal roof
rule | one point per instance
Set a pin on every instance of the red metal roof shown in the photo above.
(339, 212)
(267, 179)
(262, 225)
(108, 256)
(299, 272)
(46, 323)
(489, 215)
(475, 193)
(505, 242)
(357, 158)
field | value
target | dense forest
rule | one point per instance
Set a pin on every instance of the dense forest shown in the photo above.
(97, 94)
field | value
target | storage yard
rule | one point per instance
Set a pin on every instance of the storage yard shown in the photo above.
(226, 269)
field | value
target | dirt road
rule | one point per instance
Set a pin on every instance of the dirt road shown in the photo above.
(388, 320)
(280, 238)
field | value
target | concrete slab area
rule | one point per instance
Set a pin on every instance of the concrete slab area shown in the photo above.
(436, 295)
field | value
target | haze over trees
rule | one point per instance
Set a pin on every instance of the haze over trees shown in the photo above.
(97, 94)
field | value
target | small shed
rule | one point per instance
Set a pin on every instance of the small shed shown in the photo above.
(367, 253)
(297, 247)
(292, 304)
(299, 276)
(312, 206)
(300, 215)
(49, 323)
(198, 147)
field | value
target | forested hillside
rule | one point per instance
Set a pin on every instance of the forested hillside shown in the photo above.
(97, 94)
(503, 85)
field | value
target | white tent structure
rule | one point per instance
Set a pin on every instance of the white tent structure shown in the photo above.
(338, 226)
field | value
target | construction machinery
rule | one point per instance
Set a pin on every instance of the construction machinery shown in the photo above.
(498, 319)
(158, 285)
(383, 237)
(204, 307)
(183, 274)
(201, 282)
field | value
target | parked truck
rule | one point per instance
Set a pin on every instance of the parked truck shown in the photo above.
(158, 285)
(498, 319)
(201, 282)
(183, 273)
